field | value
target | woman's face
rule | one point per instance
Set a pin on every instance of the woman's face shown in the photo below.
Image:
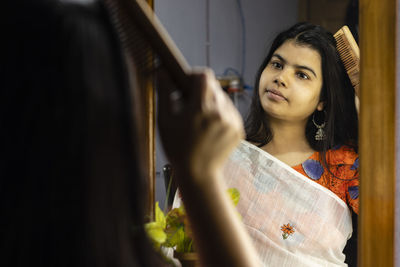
(291, 83)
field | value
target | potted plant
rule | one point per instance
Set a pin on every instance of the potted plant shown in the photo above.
(173, 230)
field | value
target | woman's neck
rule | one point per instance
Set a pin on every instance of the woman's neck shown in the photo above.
(289, 143)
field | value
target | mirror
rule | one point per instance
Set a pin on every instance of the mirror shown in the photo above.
(210, 33)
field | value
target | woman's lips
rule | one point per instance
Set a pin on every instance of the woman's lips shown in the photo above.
(275, 95)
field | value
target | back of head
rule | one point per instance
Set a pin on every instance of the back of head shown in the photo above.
(70, 191)
(336, 93)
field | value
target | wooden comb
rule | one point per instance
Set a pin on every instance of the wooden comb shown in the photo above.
(146, 41)
(350, 55)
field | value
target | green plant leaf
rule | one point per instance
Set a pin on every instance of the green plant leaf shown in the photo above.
(189, 245)
(185, 244)
(234, 194)
(175, 217)
(175, 236)
(160, 217)
(175, 227)
(155, 231)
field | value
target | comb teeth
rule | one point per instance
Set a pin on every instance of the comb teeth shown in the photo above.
(145, 41)
(142, 54)
(349, 54)
(345, 53)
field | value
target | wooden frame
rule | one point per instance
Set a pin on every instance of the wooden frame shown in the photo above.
(148, 100)
(377, 132)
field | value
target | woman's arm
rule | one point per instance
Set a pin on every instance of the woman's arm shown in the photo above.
(198, 133)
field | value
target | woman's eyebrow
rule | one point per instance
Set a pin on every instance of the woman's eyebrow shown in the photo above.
(306, 68)
(279, 57)
(297, 66)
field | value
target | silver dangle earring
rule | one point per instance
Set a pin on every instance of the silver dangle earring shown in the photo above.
(320, 134)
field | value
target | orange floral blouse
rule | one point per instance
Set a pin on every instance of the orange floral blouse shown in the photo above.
(343, 178)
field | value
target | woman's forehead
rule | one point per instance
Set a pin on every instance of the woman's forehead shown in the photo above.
(299, 54)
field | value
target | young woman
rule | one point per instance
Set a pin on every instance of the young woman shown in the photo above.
(298, 172)
(71, 186)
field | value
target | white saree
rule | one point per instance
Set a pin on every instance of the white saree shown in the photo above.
(292, 220)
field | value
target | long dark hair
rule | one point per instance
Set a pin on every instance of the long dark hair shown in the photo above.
(337, 93)
(71, 189)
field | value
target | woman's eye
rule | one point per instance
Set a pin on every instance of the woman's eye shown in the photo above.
(303, 76)
(276, 65)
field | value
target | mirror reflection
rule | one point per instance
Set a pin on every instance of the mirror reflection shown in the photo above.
(299, 108)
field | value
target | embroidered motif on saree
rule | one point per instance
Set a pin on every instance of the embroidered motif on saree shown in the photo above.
(287, 230)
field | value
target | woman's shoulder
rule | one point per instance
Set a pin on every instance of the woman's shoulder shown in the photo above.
(342, 154)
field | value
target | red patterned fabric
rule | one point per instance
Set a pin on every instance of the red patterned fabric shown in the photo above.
(343, 177)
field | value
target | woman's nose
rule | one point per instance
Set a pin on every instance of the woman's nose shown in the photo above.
(280, 80)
